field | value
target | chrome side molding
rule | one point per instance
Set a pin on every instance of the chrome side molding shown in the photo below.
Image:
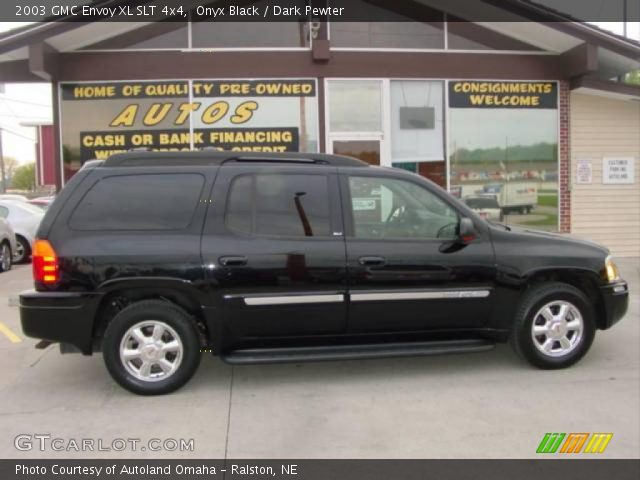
(294, 299)
(430, 295)
(360, 296)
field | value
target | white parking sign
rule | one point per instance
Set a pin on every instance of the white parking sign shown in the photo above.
(618, 170)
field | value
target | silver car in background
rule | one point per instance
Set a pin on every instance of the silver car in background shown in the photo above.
(486, 206)
(14, 197)
(24, 218)
(7, 245)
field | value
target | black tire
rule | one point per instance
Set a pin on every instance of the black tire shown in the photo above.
(532, 302)
(23, 252)
(152, 310)
(6, 257)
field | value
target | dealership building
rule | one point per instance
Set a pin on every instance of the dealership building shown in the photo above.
(532, 112)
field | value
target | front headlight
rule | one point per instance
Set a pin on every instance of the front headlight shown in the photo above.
(610, 272)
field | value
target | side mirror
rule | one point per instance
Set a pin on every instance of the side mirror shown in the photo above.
(467, 231)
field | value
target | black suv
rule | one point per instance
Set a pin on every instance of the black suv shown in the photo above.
(155, 258)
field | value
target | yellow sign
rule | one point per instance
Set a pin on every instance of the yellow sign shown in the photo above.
(472, 94)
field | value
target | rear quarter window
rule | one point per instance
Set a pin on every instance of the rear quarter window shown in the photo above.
(139, 202)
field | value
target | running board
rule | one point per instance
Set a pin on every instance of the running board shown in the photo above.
(354, 352)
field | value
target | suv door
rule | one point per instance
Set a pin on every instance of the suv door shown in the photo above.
(407, 269)
(274, 251)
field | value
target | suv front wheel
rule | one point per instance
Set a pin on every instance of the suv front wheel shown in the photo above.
(554, 326)
(151, 347)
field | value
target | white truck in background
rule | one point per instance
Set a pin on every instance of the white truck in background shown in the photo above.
(513, 197)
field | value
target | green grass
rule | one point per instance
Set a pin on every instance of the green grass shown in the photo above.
(548, 200)
(549, 221)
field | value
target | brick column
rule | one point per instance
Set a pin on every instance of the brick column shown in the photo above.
(564, 181)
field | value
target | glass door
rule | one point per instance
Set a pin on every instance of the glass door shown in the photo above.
(365, 150)
(355, 121)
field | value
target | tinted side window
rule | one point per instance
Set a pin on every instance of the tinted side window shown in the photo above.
(239, 205)
(139, 202)
(280, 205)
(392, 208)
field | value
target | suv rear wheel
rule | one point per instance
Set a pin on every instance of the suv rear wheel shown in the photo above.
(554, 327)
(151, 347)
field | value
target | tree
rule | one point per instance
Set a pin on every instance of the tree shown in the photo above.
(24, 177)
(10, 165)
(633, 77)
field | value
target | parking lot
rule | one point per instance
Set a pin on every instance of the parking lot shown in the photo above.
(487, 405)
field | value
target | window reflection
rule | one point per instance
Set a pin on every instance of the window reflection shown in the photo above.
(510, 155)
(355, 106)
(391, 208)
(280, 205)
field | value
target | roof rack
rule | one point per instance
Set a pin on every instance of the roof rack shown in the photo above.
(278, 160)
(89, 164)
(146, 158)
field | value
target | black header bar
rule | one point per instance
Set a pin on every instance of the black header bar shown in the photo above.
(318, 10)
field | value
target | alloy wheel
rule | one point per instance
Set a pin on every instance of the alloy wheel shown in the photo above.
(557, 328)
(151, 351)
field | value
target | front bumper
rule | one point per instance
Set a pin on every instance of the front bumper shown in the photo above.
(615, 300)
(65, 317)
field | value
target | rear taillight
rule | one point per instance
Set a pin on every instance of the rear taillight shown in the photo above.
(45, 262)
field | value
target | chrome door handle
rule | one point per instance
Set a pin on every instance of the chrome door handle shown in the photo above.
(371, 261)
(237, 261)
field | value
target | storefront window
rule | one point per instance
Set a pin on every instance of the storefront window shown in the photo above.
(504, 146)
(256, 115)
(101, 119)
(355, 106)
(434, 171)
(417, 133)
(366, 150)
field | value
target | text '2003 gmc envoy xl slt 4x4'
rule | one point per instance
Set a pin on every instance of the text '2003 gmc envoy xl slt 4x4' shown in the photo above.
(153, 258)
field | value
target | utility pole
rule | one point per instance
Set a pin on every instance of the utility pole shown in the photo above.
(3, 189)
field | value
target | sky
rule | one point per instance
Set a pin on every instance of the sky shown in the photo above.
(20, 103)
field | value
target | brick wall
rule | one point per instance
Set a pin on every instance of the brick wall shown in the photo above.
(564, 180)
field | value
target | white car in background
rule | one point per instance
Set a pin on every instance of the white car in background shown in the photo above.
(13, 196)
(24, 219)
(7, 245)
(486, 206)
